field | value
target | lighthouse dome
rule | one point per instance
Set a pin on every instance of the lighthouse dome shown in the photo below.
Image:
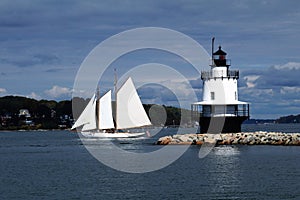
(220, 52)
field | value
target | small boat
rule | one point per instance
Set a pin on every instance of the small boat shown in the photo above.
(96, 120)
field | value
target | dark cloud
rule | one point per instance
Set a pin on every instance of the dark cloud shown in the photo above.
(273, 90)
(43, 58)
(54, 70)
(157, 93)
(38, 59)
(276, 77)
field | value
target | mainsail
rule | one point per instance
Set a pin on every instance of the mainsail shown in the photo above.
(130, 112)
(105, 117)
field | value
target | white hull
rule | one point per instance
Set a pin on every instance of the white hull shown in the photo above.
(111, 135)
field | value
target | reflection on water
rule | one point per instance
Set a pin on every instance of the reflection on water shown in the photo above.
(224, 164)
(226, 151)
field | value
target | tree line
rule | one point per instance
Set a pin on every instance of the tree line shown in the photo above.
(50, 114)
(289, 119)
(42, 114)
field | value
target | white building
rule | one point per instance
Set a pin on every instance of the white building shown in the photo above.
(24, 112)
(220, 110)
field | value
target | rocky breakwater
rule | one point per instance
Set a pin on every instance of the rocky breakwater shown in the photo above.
(244, 138)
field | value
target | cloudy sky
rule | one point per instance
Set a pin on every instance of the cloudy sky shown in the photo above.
(43, 43)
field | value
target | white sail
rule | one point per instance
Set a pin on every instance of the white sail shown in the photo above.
(88, 116)
(105, 116)
(91, 125)
(130, 112)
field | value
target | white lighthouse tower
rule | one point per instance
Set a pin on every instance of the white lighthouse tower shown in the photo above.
(220, 111)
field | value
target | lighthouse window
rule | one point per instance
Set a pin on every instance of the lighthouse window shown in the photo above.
(235, 96)
(212, 95)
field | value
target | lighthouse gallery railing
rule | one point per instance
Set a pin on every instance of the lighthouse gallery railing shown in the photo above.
(230, 74)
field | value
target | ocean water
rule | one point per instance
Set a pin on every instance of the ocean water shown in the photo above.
(56, 165)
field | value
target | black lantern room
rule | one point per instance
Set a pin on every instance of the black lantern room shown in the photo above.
(219, 58)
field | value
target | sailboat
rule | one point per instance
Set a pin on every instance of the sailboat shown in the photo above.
(96, 119)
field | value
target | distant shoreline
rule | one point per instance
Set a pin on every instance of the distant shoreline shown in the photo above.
(27, 130)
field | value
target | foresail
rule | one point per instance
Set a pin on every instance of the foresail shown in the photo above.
(88, 116)
(105, 112)
(89, 126)
(130, 112)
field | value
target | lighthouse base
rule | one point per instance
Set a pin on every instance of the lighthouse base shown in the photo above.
(221, 124)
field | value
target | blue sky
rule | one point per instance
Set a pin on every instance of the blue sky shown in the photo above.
(43, 43)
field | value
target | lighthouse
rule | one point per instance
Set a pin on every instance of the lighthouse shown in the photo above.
(220, 111)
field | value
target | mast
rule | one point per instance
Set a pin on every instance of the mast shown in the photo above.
(212, 48)
(115, 88)
(98, 107)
